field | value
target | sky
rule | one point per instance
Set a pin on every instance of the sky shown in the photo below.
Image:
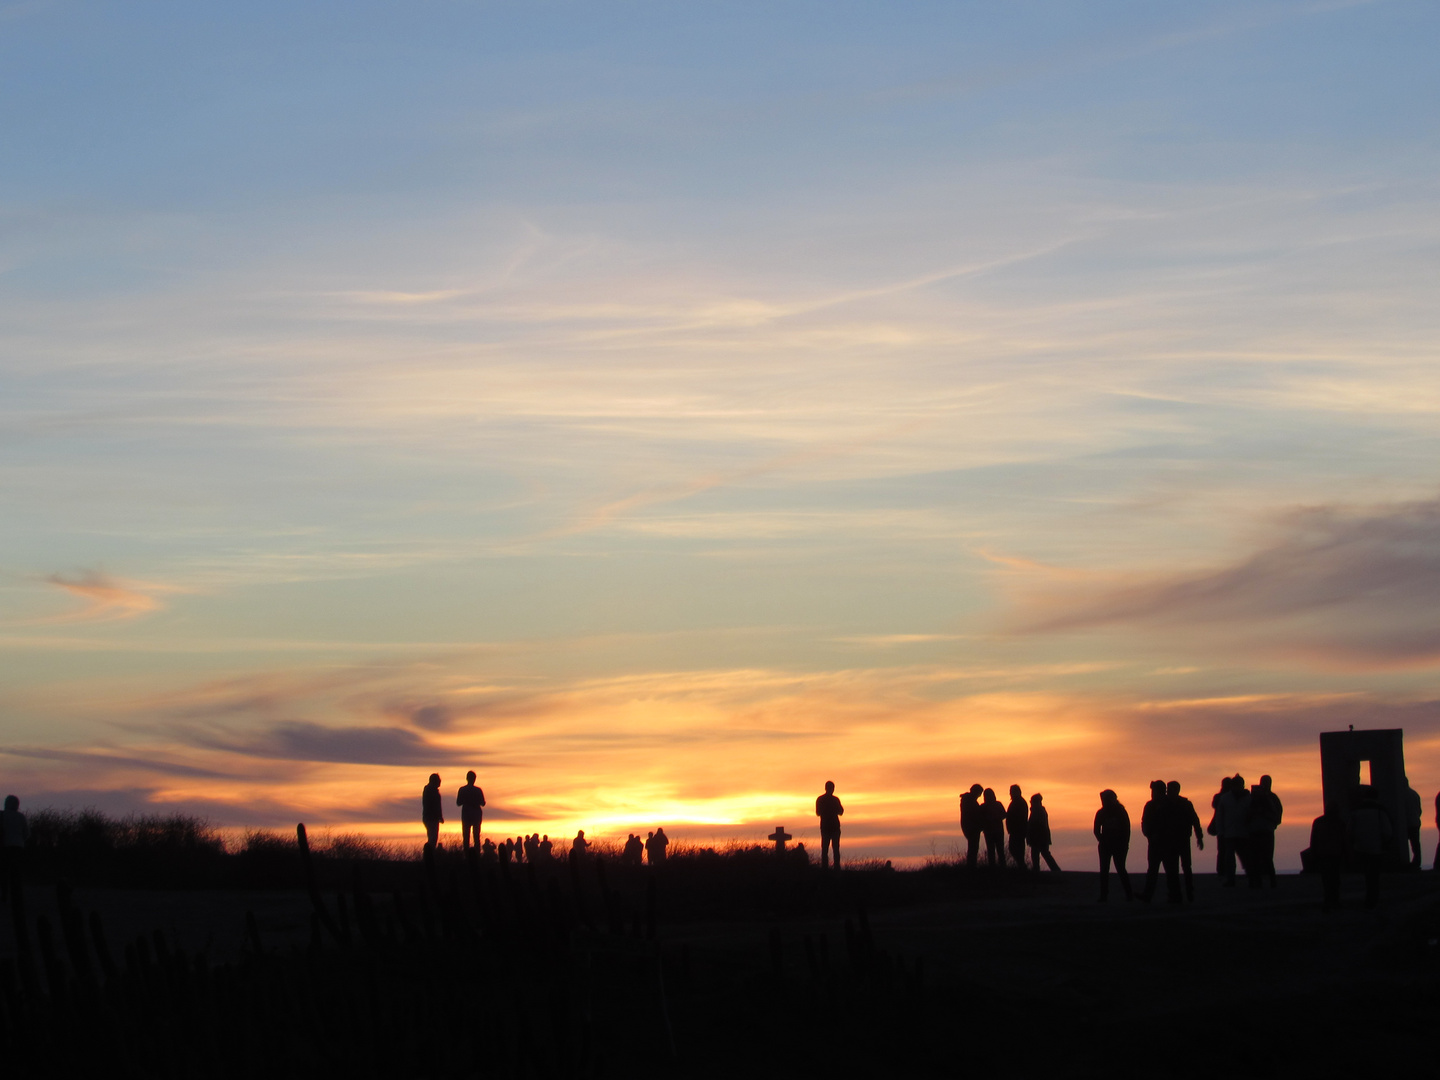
(662, 409)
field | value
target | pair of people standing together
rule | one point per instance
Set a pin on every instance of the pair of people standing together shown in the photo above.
(470, 799)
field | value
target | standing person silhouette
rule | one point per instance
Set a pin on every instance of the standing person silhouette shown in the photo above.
(1112, 830)
(1160, 851)
(1017, 817)
(657, 847)
(579, 847)
(1329, 846)
(1371, 828)
(14, 831)
(430, 812)
(992, 820)
(471, 801)
(970, 823)
(1232, 819)
(1266, 812)
(1414, 818)
(1037, 833)
(1184, 820)
(829, 811)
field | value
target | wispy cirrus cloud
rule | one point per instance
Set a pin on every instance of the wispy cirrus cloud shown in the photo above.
(1356, 585)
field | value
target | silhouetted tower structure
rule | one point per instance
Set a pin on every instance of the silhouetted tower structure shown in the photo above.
(1375, 757)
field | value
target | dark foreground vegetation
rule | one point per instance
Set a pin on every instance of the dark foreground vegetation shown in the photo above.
(723, 965)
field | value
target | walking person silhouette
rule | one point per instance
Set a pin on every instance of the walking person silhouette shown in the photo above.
(829, 811)
(1037, 833)
(970, 823)
(471, 801)
(1156, 826)
(1112, 830)
(430, 812)
(1184, 820)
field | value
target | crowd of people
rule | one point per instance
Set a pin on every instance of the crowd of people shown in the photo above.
(1243, 823)
(1025, 824)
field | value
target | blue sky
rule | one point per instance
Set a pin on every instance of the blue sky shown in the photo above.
(667, 404)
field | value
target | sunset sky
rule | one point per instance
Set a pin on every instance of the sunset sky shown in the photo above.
(665, 408)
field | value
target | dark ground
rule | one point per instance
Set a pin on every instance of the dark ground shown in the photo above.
(752, 968)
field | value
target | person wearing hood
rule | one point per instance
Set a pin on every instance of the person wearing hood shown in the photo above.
(1112, 830)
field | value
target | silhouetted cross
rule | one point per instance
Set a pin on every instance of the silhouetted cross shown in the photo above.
(779, 836)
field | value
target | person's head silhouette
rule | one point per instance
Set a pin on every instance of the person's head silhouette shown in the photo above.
(975, 789)
(1157, 788)
(470, 777)
(1265, 783)
(989, 795)
(12, 802)
(1172, 788)
(829, 787)
(434, 780)
(1237, 784)
(1036, 799)
(1015, 792)
(1108, 798)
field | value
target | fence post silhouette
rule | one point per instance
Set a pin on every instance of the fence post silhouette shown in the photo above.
(316, 901)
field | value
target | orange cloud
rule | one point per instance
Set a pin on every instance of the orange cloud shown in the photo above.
(106, 599)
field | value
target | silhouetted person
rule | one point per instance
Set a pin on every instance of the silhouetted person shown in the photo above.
(992, 820)
(1370, 829)
(661, 843)
(970, 823)
(634, 850)
(1184, 821)
(579, 848)
(1112, 830)
(1233, 819)
(1037, 833)
(430, 812)
(1266, 813)
(1156, 824)
(1017, 817)
(471, 801)
(1414, 818)
(1329, 848)
(487, 851)
(14, 831)
(546, 849)
(829, 811)
(1223, 853)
